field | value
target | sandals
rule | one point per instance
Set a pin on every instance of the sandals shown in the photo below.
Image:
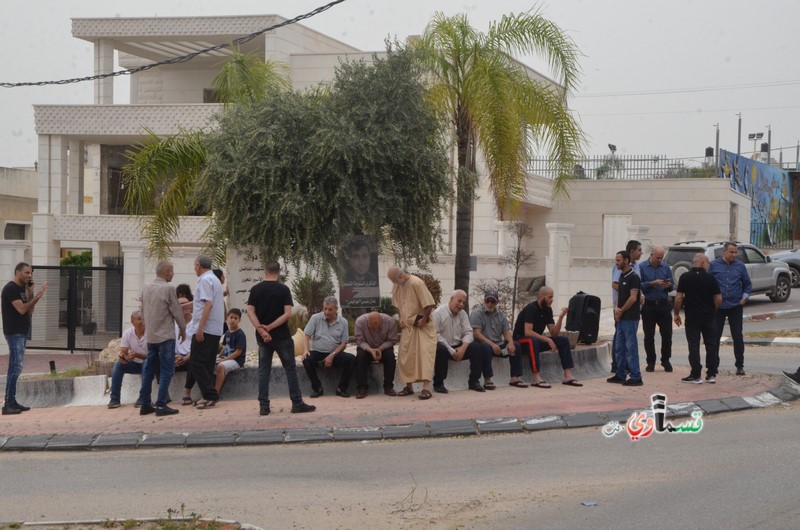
(187, 401)
(572, 382)
(405, 392)
(425, 394)
(518, 384)
(489, 386)
(205, 404)
(541, 384)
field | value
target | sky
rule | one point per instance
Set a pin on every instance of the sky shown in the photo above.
(657, 77)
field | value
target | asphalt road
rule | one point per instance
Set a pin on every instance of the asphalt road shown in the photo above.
(740, 471)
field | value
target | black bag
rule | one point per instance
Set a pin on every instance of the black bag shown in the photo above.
(583, 316)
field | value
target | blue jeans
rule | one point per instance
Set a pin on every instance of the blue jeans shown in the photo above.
(118, 372)
(626, 349)
(285, 350)
(160, 358)
(16, 352)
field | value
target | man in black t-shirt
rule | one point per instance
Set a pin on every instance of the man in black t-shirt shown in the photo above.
(626, 314)
(699, 294)
(16, 303)
(269, 308)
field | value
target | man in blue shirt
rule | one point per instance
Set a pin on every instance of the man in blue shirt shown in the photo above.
(734, 283)
(656, 279)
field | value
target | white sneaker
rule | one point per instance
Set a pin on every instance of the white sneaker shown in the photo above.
(692, 380)
(711, 379)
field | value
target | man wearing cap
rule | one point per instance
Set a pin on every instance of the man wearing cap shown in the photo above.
(455, 341)
(491, 327)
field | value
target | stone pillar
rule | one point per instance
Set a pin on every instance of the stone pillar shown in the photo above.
(52, 174)
(134, 263)
(103, 64)
(75, 177)
(557, 263)
(11, 253)
(46, 250)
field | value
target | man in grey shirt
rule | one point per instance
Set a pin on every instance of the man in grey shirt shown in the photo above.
(376, 335)
(491, 327)
(326, 337)
(454, 341)
(161, 312)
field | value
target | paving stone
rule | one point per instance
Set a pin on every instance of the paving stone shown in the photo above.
(712, 406)
(3, 440)
(357, 433)
(499, 425)
(792, 388)
(544, 423)
(680, 410)
(412, 430)
(452, 427)
(619, 415)
(271, 436)
(584, 419)
(163, 439)
(70, 442)
(201, 439)
(125, 440)
(308, 435)
(783, 393)
(736, 403)
(27, 443)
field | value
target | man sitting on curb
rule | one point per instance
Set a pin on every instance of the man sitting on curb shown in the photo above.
(326, 337)
(132, 353)
(454, 340)
(537, 316)
(376, 335)
(492, 328)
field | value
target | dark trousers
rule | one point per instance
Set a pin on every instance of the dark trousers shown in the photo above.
(734, 316)
(480, 362)
(285, 350)
(201, 364)
(343, 360)
(364, 360)
(657, 313)
(708, 330)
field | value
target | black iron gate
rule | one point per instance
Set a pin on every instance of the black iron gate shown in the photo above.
(82, 309)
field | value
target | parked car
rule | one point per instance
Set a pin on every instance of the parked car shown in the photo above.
(770, 277)
(792, 259)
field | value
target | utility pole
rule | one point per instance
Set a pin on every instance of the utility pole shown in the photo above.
(716, 148)
(739, 138)
(769, 144)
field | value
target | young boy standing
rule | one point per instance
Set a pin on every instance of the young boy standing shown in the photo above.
(234, 345)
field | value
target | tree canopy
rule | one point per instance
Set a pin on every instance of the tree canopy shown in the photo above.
(295, 175)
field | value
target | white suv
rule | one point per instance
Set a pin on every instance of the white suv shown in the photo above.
(772, 278)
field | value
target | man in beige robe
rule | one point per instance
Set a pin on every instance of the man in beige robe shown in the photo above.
(417, 352)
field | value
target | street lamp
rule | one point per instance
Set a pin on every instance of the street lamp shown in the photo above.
(755, 137)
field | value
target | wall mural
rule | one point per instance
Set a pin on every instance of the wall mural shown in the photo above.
(770, 192)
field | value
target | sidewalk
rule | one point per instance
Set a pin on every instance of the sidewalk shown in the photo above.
(507, 409)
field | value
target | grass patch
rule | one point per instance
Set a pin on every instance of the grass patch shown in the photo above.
(783, 333)
(66, 374)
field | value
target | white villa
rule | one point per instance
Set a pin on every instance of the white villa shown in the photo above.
(80, 160)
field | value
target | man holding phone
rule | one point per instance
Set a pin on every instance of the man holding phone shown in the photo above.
(17, 302)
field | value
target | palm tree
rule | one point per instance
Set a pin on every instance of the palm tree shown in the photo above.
(162, 172)
(492, 104)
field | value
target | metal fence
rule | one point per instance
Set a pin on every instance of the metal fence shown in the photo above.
(82, 309)
(629, 167)
(776, 235)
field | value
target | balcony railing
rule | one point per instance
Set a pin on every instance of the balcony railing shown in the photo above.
(629, 167)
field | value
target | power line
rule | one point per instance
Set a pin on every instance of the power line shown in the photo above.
(696, 111)
(689, 90)
(182, 58)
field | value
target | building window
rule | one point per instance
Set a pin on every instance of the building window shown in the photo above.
(15, 231)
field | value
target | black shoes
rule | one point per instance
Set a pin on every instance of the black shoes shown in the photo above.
(692, 379)
(633, 382)
(650, 368)
(302, 407)
(440, 389)
(316, 392)
(113, 404)
(615, 379)
(11, 409)
(164, 411)
(793, 377)
(667, 366)
(342, 393)
(476, 387)
(264, 411)
(147, 409)
(740, 371)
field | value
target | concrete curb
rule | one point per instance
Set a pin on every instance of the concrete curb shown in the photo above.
(785, 392)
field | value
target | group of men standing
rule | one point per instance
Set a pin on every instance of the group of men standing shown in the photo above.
(710, 293)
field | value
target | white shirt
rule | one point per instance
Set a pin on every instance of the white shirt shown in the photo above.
(452, 330)
(208, 289)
